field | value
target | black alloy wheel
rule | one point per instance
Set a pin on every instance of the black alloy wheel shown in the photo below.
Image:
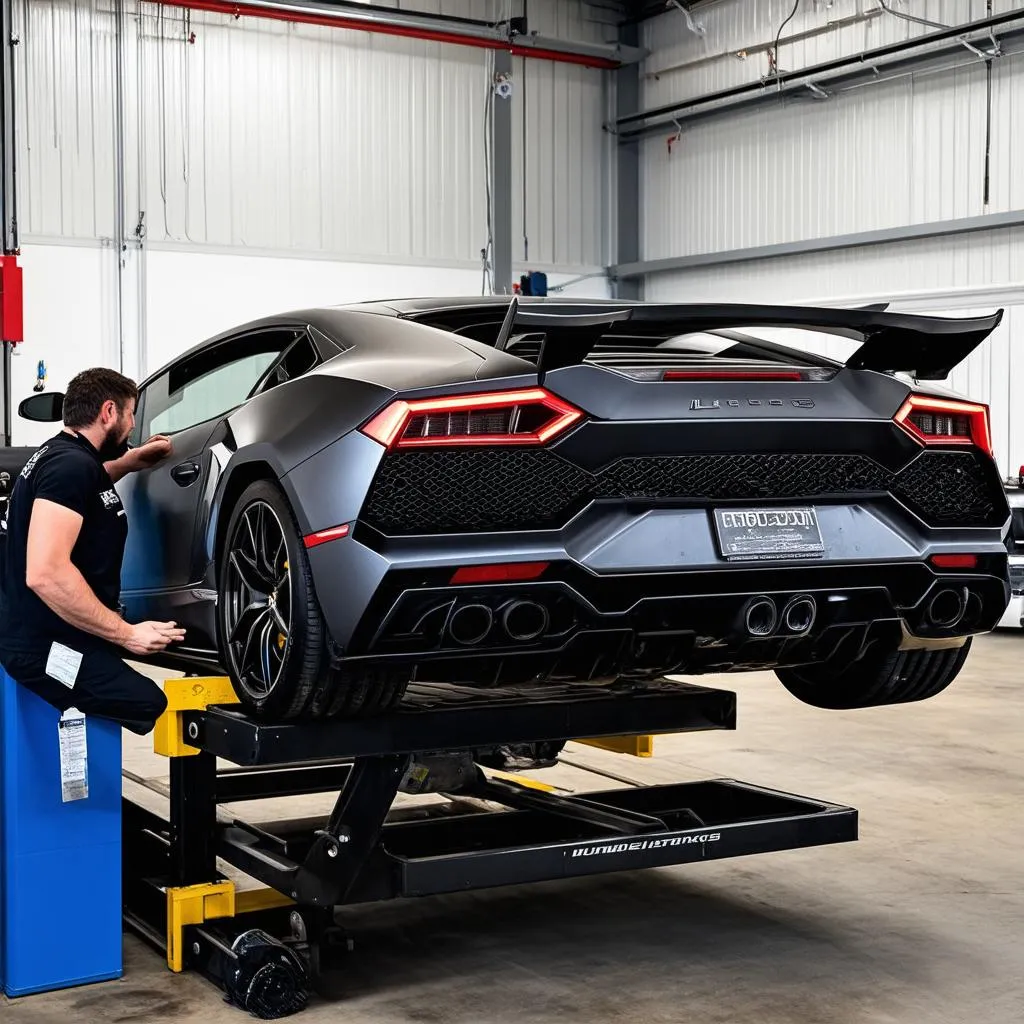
(257, 595)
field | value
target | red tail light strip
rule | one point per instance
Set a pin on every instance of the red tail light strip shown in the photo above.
(977, 416)
(954, 561)
(389, 425)
(499, 573)
(311, 540)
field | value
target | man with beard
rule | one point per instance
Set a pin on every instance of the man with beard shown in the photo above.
(62, 634)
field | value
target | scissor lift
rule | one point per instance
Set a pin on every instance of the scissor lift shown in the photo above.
(486, 826)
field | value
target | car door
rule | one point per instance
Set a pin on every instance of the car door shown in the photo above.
(187, 402)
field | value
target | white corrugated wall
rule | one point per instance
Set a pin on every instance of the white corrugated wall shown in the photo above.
(271, 165)
(267, 135)
(904, 151)
(894, 153)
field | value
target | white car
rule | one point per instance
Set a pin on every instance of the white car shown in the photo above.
(1015, 610)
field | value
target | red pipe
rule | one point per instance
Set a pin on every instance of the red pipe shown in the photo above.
(238, 10)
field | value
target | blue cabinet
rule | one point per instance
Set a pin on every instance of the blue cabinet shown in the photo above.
(60, 863)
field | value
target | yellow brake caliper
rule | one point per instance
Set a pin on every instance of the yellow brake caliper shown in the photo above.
(281, 638)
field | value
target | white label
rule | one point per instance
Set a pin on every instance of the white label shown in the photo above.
(63, 664)
(74, 756)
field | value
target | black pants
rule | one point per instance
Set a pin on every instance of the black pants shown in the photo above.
(105, 686)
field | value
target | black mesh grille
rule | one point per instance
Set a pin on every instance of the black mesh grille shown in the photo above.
(515, 489)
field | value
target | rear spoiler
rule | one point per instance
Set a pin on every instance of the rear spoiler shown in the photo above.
(926, 347)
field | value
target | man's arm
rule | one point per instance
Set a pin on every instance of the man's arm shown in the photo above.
(50, 574)
(147, 455)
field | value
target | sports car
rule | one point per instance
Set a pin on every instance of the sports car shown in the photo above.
(514, 491)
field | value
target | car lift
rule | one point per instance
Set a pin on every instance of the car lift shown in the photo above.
(267, 947)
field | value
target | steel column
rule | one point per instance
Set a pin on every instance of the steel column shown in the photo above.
(627, 99)
(501, 175)
(10, 284)
(8, 152)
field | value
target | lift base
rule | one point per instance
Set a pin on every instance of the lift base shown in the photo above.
(481, 830)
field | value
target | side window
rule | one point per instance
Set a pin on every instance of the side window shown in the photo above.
(210, 383)
(299, 359)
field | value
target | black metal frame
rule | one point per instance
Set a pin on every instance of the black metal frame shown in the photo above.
(366, 852)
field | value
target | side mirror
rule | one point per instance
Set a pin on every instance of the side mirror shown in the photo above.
(47, 407)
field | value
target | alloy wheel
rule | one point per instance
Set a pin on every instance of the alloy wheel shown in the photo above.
(257, 600)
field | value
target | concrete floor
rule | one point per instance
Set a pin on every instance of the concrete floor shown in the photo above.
(920, 922)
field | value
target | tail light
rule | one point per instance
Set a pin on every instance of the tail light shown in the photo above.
(533, 416)
(757, 375)
(954, 561)
(943, 421)
(501, 573)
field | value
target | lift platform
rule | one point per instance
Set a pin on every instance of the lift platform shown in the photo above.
(485, 825)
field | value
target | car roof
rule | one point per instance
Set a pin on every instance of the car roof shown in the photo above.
(431, 304)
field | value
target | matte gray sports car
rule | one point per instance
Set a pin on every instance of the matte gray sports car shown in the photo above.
(487, 491)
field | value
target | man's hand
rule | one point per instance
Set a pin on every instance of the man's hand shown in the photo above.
(150, 452)
(146, 456)
(151, 637)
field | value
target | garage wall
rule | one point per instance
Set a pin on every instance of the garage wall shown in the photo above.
(901, 151)
(267, 166)
(258, 134)
(891, 154)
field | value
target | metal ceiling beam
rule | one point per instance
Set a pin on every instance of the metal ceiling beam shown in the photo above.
(446, 29)
(883, 236)
(895, 57)
(645, 10)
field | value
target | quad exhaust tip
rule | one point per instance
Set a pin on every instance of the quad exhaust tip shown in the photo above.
(762, 617)
(524, 620)
(799, 614)
(470, 623)
(947, 607)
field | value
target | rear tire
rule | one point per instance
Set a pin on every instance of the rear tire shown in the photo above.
(271, 632)
(880, 678)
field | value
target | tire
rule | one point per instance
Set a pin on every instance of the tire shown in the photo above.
(301, 683)
(880, 678)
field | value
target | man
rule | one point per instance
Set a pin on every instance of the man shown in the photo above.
(61, 632)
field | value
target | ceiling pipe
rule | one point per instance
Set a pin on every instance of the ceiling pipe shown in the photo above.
(891, 55)
(411, 27)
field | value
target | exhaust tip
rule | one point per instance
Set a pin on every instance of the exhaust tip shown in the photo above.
(762, 617)
(973, 610)
(470, 623)
(525, 620)
(800, 614)
(947, 607)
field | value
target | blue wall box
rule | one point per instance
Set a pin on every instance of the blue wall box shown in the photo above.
(60, 863)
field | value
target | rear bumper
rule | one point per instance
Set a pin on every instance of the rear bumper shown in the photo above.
(648, 591)
(583, 626)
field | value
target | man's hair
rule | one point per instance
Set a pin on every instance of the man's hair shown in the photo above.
(88, 391)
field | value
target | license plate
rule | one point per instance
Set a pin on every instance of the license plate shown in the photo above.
(762, 533)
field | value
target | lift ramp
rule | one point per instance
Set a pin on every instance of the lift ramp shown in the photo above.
(488, 830)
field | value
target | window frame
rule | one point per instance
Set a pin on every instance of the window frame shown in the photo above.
(230, 344)
(302, 334)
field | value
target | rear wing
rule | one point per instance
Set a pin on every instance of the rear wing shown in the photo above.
(926, 347)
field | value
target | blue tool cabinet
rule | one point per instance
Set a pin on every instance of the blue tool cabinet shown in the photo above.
(60, 863)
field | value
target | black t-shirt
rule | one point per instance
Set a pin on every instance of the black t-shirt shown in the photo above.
(66, 470)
